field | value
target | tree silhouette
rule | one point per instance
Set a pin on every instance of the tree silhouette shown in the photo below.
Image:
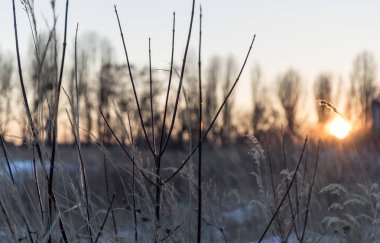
(6, 86)
(44, 71)
(323, 91)
(227, 126)
(188, 114)
(362, 84)
(211, 98)
(289, 92)
(263, 113)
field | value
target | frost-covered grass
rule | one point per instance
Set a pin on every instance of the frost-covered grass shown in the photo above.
(344, 206)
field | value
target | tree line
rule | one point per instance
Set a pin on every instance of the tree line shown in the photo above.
(102, 84)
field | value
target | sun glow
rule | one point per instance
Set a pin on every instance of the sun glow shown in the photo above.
(339, 127)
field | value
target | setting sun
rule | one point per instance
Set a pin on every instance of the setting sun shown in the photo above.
(339, 127)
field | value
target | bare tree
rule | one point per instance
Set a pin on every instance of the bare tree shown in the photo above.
(258, 108)
(6, 86)
(188, 114)
(323, 91)
(289, 92)
(362, 84)
(124, 108)
(227, 126)
(263, 114)
(44, 71)
(107, 87)
(211, 97)
(143, 86)
(88, 64)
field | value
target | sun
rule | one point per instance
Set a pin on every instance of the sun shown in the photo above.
(339, 127)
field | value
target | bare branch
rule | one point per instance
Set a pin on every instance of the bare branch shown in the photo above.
(180, 81)
(133, 84)
(215, 117)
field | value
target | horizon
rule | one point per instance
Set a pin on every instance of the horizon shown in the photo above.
(312, 38)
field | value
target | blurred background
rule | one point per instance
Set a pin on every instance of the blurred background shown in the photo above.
(326, 50)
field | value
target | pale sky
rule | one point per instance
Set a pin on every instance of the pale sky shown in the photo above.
(311, 36)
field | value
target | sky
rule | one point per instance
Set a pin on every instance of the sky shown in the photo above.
(310, 36)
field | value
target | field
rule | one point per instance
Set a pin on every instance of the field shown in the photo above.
(242, 187)
(110, 152)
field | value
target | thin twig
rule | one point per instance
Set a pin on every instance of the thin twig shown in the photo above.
(24, 96)
(171, 232)
(76, 84)
(133, 84)
(287, 184)
(6, 158)
(156, 158)
(199, 220)
(55, 115)
(275, 201)
(107, 185)
(286, 193)
(8, 222)
(180, 81)
(14, 184)
(215, 117)
(169, 84)
(309, 196)
(158, 195)
(218, 228)
(25, 99)
(151, 99)
(105, 219)
(133, 178)
(37, 183)
(83, 175)
(330, 106)
(124, 149)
